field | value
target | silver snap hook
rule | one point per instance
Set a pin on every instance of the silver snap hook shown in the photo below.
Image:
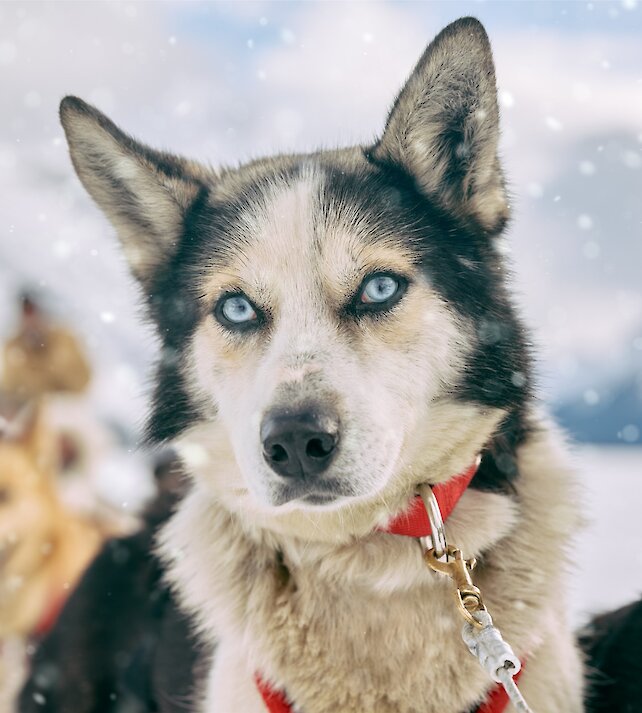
(437, 539)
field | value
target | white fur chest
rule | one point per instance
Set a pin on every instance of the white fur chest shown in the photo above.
(365, 627)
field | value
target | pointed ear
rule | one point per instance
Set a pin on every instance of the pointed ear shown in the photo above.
(444, 127)
(144, 193)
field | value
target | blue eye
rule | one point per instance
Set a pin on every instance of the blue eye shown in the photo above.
(378, 289)
(235, 310)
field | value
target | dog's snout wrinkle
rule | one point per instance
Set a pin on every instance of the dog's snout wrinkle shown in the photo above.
(301, 444)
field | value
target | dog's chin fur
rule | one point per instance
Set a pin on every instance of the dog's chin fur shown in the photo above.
(275, 597)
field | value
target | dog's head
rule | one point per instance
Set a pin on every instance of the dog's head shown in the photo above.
(334, 325)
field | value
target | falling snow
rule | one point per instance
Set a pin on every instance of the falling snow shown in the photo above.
(506, 99)
(587, 168)
(553, 124)
(584, 221)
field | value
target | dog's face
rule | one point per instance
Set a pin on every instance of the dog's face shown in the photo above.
(321, 342)
(332, 323)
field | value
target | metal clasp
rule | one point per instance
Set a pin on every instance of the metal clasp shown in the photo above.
(437, 540)
(449, 560)
(468, 596)
(435, 547)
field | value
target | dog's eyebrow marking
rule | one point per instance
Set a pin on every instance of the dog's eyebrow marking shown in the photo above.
(270, 245)
(298, 239)
(343, 271)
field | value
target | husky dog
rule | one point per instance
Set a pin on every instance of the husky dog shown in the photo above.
(336, 331)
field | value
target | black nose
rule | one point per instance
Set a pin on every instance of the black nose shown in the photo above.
(301, 444)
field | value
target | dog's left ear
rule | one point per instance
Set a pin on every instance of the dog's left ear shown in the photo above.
(145, 193)
(444, 127)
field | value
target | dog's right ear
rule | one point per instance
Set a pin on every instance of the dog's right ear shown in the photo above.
(444, 127)
(145, 193)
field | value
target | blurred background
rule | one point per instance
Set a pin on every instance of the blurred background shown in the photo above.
(225, 82)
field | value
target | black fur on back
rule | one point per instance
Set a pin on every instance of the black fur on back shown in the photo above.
(612, 644)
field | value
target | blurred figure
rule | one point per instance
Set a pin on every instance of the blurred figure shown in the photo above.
(120, 645)
(51, 522)
(44, 548)
(46, 368)
(42, 357)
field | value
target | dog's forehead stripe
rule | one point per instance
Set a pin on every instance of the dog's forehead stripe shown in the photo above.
(300, 235)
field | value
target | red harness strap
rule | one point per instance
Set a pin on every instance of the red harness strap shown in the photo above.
(49, 616)
(413, 522)
(276, 702)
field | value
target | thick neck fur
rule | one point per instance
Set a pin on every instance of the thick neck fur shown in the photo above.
(359, 623)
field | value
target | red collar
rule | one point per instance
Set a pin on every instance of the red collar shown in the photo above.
(413, 522)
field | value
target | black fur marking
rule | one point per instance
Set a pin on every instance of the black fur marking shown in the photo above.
(498, 468)
(611, 644)
(175, 310)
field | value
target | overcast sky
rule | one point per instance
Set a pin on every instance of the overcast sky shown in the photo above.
(223, 82)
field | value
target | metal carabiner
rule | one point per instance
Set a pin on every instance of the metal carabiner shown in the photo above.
(437, 539)
(468, 597)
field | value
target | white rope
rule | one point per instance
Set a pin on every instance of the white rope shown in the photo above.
(515, 696)
(495, 656)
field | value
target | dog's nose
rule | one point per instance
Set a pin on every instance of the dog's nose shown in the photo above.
(301, 444)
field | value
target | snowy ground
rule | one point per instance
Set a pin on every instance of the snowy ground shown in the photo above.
(609, 553)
